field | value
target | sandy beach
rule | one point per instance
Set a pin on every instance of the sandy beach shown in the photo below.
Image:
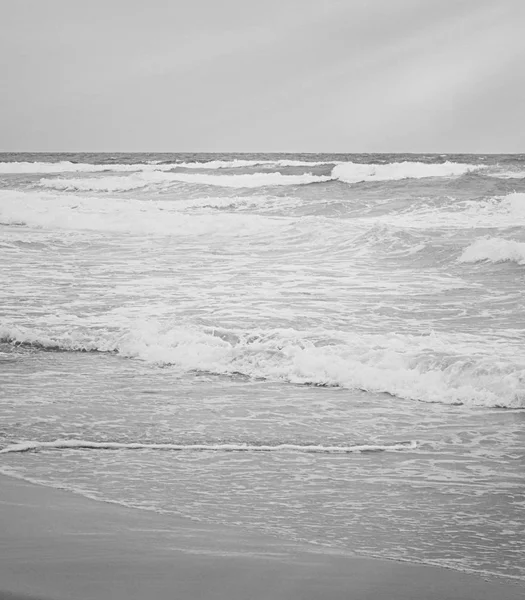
(58, 545)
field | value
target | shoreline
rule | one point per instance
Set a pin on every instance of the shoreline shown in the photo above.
(59, 545)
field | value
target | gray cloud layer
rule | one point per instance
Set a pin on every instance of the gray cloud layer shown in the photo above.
(278, 75)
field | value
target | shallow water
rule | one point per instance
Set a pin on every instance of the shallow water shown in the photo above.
(329, 348)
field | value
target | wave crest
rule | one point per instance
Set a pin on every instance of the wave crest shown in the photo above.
(163, 179)
(21, 168)
(424, 368)
(142, 217)
(355, 172)
(150, 173)
(494, 250)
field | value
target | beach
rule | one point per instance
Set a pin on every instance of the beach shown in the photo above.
(56, 546)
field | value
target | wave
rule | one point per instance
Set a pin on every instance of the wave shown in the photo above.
(355, 172)
(494, 250)
(194, 216)
(343, 172)
(140, 180)
(242, 163)
(240, 203)
(49, 211)
(451, 370)
(71, 167)
(507, 174)
(239, 447)
(346, 172)
(98, 184)
(499, 211)
(514, 203)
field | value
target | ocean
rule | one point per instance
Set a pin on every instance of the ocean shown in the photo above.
(326, 348)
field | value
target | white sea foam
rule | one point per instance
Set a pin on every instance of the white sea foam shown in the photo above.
(450, 370)
(514, 204)
(165, 179)
(494, 250)
(239, 203)
(150, 175)
(355, 172)
(506, 174)
(498, 211)
(95, 184)
(50, 211)
(242, 163)
(70, 167)
(211, 447)
(347, 172)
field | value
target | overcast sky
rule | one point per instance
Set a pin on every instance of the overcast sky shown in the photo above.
(266, 75)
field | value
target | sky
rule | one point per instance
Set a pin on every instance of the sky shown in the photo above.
(263, 76)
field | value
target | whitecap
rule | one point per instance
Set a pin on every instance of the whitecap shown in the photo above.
(355, 172)
(452, 369)
(494, 250)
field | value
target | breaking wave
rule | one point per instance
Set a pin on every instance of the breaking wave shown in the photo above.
(70, 167)
(494, 250)
(95, 184)
(507, 174)
(449, 369)
(498, 211)
(238, 447)
(49, 211)
(140, 180)
(142, 174)
(179, 217)
(343, 172)
(242, 163)
(355, 172)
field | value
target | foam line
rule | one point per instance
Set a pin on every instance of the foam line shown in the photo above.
(307, 448)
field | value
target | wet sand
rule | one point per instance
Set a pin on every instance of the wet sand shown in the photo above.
(56, 545)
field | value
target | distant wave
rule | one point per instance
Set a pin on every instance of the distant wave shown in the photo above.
(506, 174)
(150, 173)
(95, 184)
(239, 447)
(70, 167)
(140, 180)
(424, 368)
(494, 250)
(355, 172)
(344, 172)
(240, 163)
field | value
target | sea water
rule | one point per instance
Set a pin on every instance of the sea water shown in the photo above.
(328, 348)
